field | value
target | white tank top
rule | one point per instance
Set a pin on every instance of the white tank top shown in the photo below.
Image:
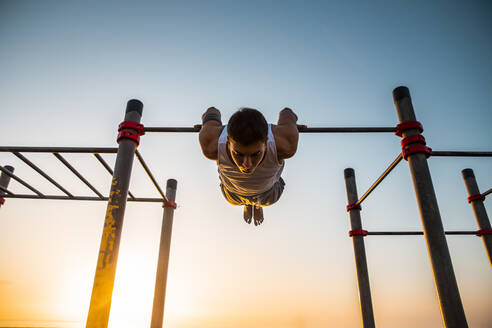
(249, 184)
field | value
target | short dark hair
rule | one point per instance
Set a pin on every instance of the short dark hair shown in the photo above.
(247, 126)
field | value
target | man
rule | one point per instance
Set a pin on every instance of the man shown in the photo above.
(250, 156)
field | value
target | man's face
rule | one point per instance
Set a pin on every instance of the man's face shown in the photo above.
(247, 158)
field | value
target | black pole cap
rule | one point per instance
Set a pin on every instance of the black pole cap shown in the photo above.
(134, 105)
(9, 168)
(171, 183)
(467, 173)
(349, 172)
(400, 93)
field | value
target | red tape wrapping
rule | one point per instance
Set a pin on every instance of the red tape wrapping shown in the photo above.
(483, 232)
(128, 135)
(2, 200)
(475, 197)
(358, 232)
(413, 149)
(138, 127)
(402, 127)
(170, 203)
(416, 138)
(352, 206)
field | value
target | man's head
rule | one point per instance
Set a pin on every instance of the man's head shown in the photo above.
(247, 135)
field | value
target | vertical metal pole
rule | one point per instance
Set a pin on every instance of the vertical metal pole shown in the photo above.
(479, 209)
(359, 253)
(4, 182)
(452, 312)
(102, 289)
(163, 262)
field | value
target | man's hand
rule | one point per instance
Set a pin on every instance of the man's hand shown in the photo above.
(210, 132)
(287, 116)
(214, 112)
(286, 134)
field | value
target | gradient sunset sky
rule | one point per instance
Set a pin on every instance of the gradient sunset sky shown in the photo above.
(69, 67)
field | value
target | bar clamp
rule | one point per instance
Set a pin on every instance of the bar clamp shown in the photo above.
(415, 143)
(358, 232)
(353, 206)
(169, 203)
(136, 130)
(476, 197)
(483, 232)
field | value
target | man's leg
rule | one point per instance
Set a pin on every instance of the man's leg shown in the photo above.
(248, 213)
(268, 198)
(258, 214)
(238, 200)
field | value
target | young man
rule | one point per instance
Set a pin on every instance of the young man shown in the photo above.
(250, 156)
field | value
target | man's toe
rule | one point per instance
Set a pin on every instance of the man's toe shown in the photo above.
(248, 213)
(258, 214)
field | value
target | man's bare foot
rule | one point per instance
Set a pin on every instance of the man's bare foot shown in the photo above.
(258, 214)
(248, 213)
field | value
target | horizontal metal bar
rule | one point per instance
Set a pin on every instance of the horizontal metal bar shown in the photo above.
(488, 192)
(37, 169)
(416, 233)
(381, 178)
(108, 168)
(53, 197)
(22, 182)
(74, 171)
(101, 150)
(348, 130)
(301, 130)
(141, 160)
(172, 129)
(463, 153)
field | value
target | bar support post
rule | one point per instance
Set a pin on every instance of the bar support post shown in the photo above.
(102, 289)
(359, 253)
(163, 261)
(4, 182)
(452, 312)
(479, 209)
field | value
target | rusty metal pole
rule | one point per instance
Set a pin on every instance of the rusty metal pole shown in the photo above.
(359, 252)
(452, 312)
(102, 289)
(4, 182)
(479, 209)
(163, 261)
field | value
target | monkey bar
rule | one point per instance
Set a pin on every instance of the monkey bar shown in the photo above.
(413, 150)
(197, 127)
(56, 151)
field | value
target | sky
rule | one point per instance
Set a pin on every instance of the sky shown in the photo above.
(68, 69)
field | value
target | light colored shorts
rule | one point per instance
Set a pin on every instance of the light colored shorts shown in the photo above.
(264, 199)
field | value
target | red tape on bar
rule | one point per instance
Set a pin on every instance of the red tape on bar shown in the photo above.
(475, 197)
(352, 206)
(170, 203)
(402, 127)
(483, 232)
(2, 200)
(416, 138)
(358, 232)
(138, 127)
(413, 149)
(128, 135)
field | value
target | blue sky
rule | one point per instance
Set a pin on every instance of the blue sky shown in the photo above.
(69, 68)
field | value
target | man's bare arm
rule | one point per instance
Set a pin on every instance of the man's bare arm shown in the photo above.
(286, 134)
(210, 132)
